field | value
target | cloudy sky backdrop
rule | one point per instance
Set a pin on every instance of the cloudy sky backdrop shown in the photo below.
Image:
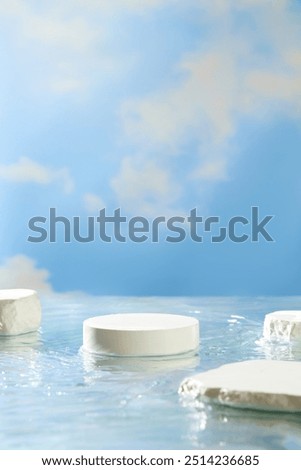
(156, 107)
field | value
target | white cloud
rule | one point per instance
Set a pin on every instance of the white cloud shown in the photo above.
(93, 203)
(201, 105)
(26, 170)
(248, 67)
(113, 7)
(65, 85)
(201, 109)
(55, 30)
(143, 187)
(20, 271)
(67, 41)
(211, 171)
(60, 41)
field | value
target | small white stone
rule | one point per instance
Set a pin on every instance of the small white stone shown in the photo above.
(20, 311)
(284, 324)
(141, 334)
(263, 385)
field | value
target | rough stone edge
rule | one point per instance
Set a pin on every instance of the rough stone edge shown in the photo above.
(263, 401)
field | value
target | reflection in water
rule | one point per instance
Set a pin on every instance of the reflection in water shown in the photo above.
(19, 361)
(225, 427)
(147, 365)
(279, 349)
(19, 344)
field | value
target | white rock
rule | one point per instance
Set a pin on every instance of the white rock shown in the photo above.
(20, 311)
(140, 334)
(263, 385)
(284, 324)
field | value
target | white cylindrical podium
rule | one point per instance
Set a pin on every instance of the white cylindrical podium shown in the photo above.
(141, 334)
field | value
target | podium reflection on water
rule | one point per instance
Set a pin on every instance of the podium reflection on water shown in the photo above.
(143, 365)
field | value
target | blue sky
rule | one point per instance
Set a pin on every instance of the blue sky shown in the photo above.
(155, 107)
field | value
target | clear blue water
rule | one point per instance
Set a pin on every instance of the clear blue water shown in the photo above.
(52, 396)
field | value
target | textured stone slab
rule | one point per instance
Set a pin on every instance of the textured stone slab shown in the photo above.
(20, 311)
(263, 385)
(283, 324)
(141, 334)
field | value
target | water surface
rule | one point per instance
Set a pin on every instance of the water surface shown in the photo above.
(53, 396)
